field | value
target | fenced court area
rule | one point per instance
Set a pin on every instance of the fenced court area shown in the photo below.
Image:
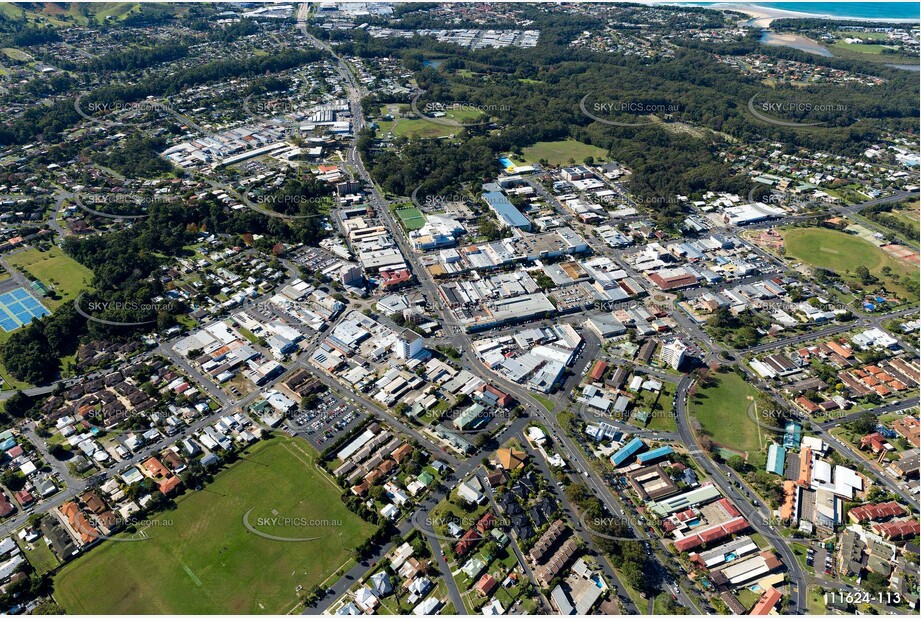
(18, 308)
(410, 218)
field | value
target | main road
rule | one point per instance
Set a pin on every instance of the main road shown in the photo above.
(461, 340)
(755, 511)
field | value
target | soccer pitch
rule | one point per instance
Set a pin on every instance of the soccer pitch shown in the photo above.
(201, 559)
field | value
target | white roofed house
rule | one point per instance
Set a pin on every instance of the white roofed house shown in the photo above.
(366, 600)
(390, 511)
(418, 588)
(468, 493)
(427, 607)
(401, 555)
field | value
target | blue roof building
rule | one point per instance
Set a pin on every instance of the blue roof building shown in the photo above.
(626, 451)
(775, 459)
(654, 454)
(506, 211)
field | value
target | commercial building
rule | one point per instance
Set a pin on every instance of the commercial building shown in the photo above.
(775, 459)
(408, 345)
(626, 451)
(508, 215)
(673, 353)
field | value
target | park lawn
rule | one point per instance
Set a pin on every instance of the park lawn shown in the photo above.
(863, 48)
(853, 34)
(842, 252)
(418, 128)
(69, 14)
(9, 382)
(17, 54)
(466, 116)
(56, 270)
(662, 420)
(815, 601)
(206, 561)
(559, 153)
(722, 411)
(118, 10)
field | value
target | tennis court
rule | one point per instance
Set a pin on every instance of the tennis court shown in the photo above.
(17, 309)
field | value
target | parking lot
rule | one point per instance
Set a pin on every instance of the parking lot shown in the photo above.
(325, 422)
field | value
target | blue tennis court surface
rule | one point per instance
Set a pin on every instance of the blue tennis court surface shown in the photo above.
(17, 309)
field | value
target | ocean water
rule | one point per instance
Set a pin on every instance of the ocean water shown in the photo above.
(856, 10)
(865, 10)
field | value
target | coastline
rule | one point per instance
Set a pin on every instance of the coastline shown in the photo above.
(763, 16)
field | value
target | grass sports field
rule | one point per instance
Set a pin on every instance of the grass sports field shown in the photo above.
(559, 153)
(206, 561)
(723, 412)
(410, 218)
(842, 252)
(863, 48)
(56, 270)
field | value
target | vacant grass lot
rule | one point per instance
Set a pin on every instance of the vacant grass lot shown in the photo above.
(843, 253)
(39, 555)
(908, 213)
(559, 153)
(56, 270)
(418, 128)
(206, 561)
(723, 412)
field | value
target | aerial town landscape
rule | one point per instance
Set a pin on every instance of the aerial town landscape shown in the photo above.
(406, 308)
